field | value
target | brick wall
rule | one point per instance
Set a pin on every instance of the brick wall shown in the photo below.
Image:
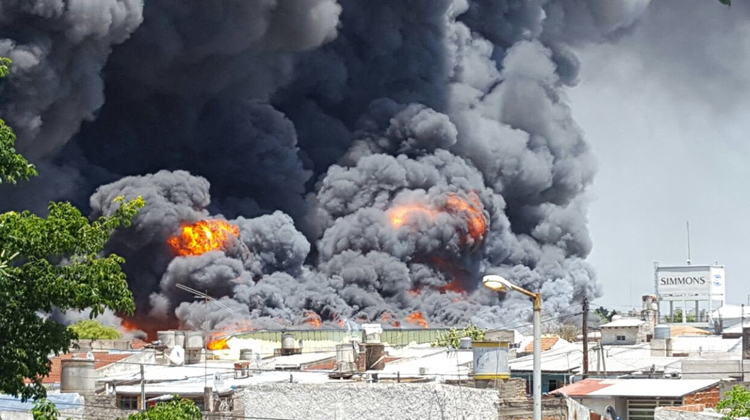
(708, 398)
(103, 407)
(552, 409)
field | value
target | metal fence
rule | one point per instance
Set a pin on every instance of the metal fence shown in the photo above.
(394, 337)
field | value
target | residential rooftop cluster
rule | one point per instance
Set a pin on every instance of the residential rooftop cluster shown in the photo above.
(634, 366)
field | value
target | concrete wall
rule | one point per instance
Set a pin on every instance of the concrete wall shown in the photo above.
(632, 335)
(599, 405)
(364, 401)
(713, 369)
(685, 413)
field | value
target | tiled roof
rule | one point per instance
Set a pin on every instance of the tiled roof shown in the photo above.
(679, 330)
(100, 360)
(547, 343)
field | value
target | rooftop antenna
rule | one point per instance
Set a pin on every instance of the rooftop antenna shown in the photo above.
(688, 241)
(206, 300)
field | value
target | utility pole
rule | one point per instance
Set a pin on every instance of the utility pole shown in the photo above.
(585, 337)
(143, 389)
(742, 325)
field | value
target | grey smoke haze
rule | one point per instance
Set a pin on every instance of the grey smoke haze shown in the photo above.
(306, 124)
(666, 111)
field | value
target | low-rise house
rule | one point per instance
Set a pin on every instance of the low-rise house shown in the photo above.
(636, 399)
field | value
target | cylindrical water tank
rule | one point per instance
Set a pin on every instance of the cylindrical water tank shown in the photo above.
(167, 338)
(490, 360)
(344, 353)
(287, 341)
(77, 375)
(662, 331)
(179, 338)
(193, 339)
(465, 343)
(246, 354)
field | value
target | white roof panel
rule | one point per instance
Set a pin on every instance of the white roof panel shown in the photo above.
(625, 322)
(674, 388)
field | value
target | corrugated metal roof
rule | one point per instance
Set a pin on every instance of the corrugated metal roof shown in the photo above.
(584, 387)
(625, 322)
(665, 388)
(674, 388)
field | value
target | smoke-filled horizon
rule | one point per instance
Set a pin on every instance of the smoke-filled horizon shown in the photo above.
(377, 158)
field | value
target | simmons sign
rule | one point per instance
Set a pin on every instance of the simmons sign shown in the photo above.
(690, 280)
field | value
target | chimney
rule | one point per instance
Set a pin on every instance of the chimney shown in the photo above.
(650, 314)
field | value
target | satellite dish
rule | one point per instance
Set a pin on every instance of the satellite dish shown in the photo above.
(610, 412)
(90, 356)
(177, 356)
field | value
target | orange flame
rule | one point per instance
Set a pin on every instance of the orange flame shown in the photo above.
(399, 215)
(470, 209)
(129, 325)
(475, 219)
(418, 319)
(453, 286)
(218, 344)
(203, 236)
(313, 319)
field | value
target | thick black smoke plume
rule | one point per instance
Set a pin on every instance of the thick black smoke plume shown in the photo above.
(377, 157)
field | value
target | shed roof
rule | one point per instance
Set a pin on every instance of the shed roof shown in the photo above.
(547, 344)
(625, 322)
(664, 388)
(100, 360)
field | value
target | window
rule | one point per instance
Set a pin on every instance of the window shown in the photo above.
(127, 402)
(621, 338)
(554, 384)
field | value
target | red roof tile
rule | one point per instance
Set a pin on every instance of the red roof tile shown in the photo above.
(583, 387)
(547, 343)
(100, 360)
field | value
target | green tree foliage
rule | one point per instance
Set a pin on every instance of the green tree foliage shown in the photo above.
(727, 2)
(605, 314)
(175, 409)
(50, 262)
(45, 409)
(453, 337)
(13, 167)
(735, 403)
(93, 330)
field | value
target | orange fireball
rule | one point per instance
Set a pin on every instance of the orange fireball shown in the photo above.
(203, 236)
(400, 214)
(418, 319)
(218, 344)
(313, 319)
(472, 211)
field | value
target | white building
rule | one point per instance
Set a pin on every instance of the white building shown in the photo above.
(624, 331)
(690, 293)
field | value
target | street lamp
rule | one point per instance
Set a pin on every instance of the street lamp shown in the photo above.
(500, 284)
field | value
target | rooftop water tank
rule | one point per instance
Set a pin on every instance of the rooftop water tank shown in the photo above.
(287, 341)
(246, 354)
(465, 343)
(77, 376)
(179, 338)
(167, 338)
(193, 340)
(662, 331)
(490, 360)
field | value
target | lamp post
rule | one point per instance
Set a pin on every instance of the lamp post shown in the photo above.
(500, 284)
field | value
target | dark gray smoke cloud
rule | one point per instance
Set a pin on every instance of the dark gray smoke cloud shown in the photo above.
(316, 124)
